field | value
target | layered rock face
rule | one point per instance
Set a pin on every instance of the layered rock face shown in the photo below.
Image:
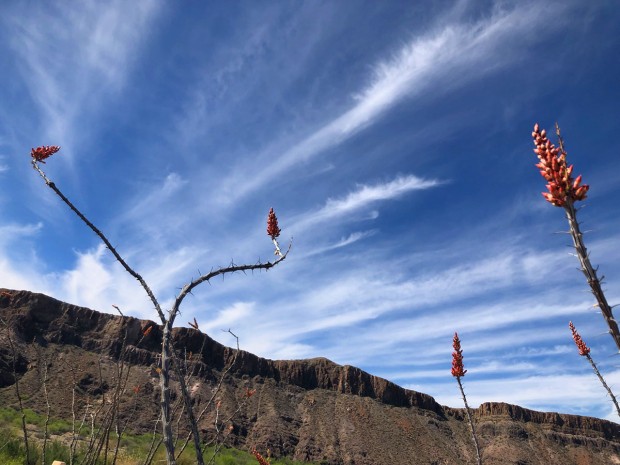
(307, 409)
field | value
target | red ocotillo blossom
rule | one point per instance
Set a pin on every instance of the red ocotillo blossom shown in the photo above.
(560, 184)
(272, 225)
(41, 153)
(457, 358)
(261, 460)
(584, 350)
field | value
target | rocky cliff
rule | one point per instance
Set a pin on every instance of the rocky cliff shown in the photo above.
(307, 409)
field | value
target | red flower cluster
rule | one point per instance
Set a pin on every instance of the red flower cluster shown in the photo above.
(457, 358)
(561, 185)
(43, 152)
(261, 460)
(584, 350)
(272, 225)
(249, 392)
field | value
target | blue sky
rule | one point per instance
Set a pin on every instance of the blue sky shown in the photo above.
(393, 141)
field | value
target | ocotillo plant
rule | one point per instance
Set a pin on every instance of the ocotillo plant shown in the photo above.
(564, 191)
(39, 155)
(458, 371)
(260, 459)
(584, 351)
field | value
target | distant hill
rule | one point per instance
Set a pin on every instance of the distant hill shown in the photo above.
(305, 409)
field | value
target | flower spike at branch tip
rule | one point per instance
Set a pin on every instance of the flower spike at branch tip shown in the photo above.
(561, 186)
(584, 350)
(39, 155)
(458, 371)
(45, 151)
(273, 230)
(457, 358)
(259, 458)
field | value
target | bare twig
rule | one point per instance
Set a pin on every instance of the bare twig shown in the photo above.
(47, 411)
(602, 380)
(17, 391)
(156, 442)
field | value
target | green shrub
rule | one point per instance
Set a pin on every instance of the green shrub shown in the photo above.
(12, 450)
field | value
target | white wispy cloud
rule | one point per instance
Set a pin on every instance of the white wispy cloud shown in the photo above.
(387, 309)
(15, 278)
(367, 194)
(493, 367)
(152, 206)
(544, 392)
(343, 242)
(227, 317)
(460, 49)
(93, 279)
(72, 56)
(361, 198)
(12, 232)
(3, 167)
(78, 289)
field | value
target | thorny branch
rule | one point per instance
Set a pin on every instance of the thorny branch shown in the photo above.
(105, 240)
(168, 355)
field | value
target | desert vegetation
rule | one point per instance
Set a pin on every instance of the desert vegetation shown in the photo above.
(172, 361)
(134, 447)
